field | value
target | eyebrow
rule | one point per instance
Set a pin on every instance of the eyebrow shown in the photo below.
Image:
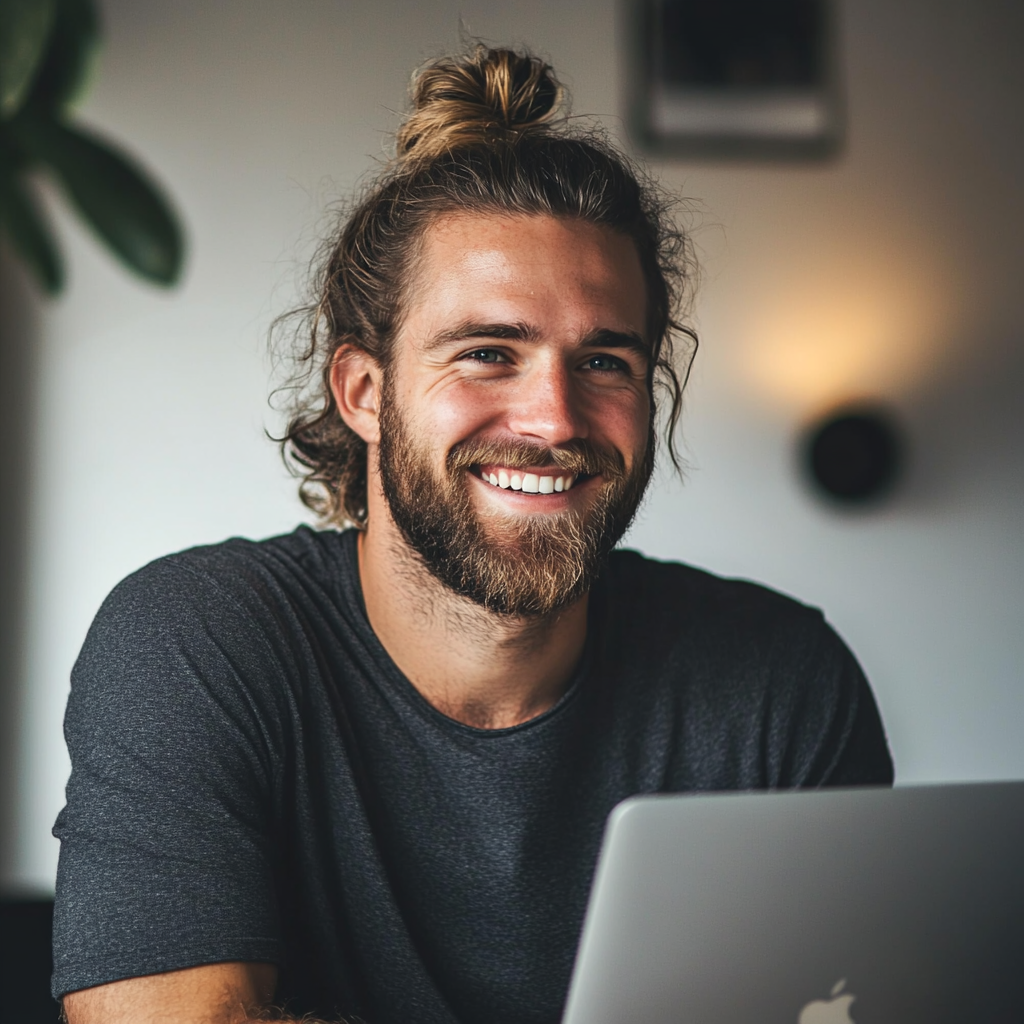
(602, 338)
(477, 329)
(605, 338)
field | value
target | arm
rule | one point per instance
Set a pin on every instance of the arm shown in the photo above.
(836, 736)
(166, 847)
(229, 993)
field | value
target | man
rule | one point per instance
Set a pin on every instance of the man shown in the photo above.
(366, 773)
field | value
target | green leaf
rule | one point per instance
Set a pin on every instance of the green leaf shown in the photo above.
(70, 56)
(21, 221)
(117, 198)
(24, 29)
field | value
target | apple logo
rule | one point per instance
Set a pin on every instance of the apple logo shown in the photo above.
(829, 1011)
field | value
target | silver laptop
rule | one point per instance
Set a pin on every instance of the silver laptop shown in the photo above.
(869, 905)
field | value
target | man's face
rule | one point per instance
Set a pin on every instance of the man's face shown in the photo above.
(515, 415)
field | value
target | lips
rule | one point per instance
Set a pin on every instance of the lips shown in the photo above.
(511, 464)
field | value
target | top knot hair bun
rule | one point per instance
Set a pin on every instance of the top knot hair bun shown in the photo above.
(481, 97)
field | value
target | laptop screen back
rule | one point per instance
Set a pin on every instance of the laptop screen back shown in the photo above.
(877, 906)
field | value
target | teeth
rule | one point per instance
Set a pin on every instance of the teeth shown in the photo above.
(529, 483)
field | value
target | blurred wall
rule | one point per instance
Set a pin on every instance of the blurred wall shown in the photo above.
(892, 272)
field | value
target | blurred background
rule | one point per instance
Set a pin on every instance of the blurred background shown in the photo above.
(134, 417)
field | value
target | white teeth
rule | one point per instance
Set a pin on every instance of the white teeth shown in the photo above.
(529, 483)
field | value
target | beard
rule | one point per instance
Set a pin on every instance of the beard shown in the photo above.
(512, 564)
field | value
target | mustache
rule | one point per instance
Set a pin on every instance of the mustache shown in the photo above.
(578, 456)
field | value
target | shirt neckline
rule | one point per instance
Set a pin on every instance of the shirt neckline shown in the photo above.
(402, 686)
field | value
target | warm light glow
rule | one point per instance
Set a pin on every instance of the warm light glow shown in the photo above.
(825, 341)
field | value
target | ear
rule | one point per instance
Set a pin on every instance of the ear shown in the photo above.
(355, 384)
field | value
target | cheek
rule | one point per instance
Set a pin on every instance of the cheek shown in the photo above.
(623, 420)
(447, 415)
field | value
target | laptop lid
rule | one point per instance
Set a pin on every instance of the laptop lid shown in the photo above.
(816, 907)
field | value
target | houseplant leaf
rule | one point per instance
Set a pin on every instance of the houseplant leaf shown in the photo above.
(113, 194)
(21, 221)
(24, 29)
(69, 56)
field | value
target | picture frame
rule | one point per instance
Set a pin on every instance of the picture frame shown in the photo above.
(735, 78)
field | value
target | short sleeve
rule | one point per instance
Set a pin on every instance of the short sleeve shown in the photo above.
(166, 859)
(836, 737)
(863, 757)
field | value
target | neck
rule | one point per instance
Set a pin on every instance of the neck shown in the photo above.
(483, 669)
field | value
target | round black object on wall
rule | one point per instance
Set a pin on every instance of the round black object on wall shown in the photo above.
(854, 456)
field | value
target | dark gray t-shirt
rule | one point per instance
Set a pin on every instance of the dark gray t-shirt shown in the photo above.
(254, 779)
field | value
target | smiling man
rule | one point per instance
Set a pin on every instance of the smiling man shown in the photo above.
(521, 364)
(364, 772)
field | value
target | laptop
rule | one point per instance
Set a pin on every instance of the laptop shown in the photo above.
(870, 905)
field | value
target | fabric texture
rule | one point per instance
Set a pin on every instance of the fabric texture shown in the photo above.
(254, 779)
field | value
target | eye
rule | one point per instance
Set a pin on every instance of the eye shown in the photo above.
(485, 355)
(605, 364)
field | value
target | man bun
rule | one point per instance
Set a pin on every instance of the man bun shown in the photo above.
(477, 98)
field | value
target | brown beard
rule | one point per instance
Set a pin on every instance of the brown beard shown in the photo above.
(521, 565)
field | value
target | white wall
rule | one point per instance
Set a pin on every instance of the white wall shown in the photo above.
(892, 272)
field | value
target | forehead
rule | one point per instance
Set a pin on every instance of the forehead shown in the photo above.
(563, 271)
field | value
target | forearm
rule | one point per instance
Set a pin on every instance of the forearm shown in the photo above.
(275, 1015)
(225, 993)
(271, 1015)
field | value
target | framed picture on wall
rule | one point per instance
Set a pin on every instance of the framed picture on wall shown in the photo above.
(742, 78)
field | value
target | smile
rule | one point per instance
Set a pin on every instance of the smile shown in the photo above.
(529, 483)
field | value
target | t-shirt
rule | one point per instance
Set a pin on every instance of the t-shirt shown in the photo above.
(254, 779)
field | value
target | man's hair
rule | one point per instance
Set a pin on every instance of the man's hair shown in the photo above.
(486, 134)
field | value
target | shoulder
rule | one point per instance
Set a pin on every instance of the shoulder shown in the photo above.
(647, 594)
(236, 572)
(207, 616)
(206, 650)
(724, 647)
(713, 635)
(303, 553)
(749, 669)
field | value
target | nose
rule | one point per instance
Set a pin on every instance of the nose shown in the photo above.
(547, 405)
